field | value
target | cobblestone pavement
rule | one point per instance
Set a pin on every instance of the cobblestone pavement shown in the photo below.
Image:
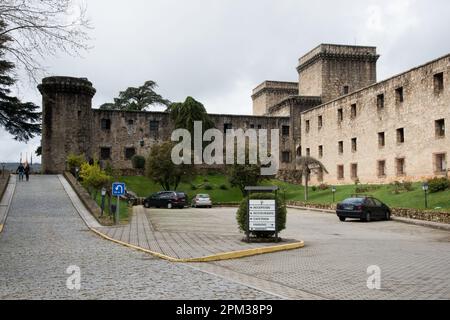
(414, 260)
(43, 236)
(187, 233)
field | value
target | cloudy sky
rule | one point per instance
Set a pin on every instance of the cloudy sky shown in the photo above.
(218, 50)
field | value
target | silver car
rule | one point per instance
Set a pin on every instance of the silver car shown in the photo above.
(202, 200)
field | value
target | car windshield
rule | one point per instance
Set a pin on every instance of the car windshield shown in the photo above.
(203, 196)
(356, 201)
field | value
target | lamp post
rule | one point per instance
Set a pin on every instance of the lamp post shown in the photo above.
(103, 200)
(77, 170)
(425, 190)
(333, 190)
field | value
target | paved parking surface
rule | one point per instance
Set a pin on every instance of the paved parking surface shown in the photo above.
(44, 235)
(414, 260)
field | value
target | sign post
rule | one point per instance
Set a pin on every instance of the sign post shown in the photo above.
(118, 190)
(261, 213)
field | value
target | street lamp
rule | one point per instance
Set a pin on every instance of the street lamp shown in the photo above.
(425, 188)
(333, 190)
(77, 170)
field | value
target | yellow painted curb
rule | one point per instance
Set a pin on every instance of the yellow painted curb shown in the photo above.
(1, 228)
(215, 257)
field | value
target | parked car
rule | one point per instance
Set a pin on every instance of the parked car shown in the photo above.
(364, 208)
(166, 199)
(202, 200)
(130, 197)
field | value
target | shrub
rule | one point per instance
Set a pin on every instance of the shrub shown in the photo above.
(223, 187)
(193, 187)
(438, 184)
(323, 187)
(399, 187)
(207, 186)
(241, 214)
(138, 162)
(93, 177)
(314, 188)
(366, 188)
(75, 161)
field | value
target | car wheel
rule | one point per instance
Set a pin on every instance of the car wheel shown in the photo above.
(169, 205)
(342, 219)
(367, 217)
(146, 205)
(387, 216)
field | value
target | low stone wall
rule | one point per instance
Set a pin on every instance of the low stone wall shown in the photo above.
(3, 183)
(87, 200)
(424, 215)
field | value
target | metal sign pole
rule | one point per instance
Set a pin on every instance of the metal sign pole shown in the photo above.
(276, 215)
(248, 217)
(117, 210)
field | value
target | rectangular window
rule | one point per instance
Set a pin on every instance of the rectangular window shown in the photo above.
(400, 166)
(340, 115)
(354, 170)
(307, 126)
(354, 145)
(105, 153)
(285, 130)
(440, 128)
(440, 163)
(130, 122)
(401, 135)
(286, 157)
(381, 139)
(129, 153)
(320, 122)
(308, 152)
(381, 168)
(341, 147)
(320, 151)
(259, 126)
(227, 126)
(346, 89)
(340, 172)
(380, 102)
(353, 111)
(399, 95)
(438, 82)
(105, 124)
(154, 126)
(252, 126)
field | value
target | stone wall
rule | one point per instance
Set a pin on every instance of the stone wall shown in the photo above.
(416, 115)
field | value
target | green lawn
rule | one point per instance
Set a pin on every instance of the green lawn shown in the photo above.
(123, 207)
(412, 199)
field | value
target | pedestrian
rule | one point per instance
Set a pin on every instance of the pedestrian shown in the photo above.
(27, 171)
(20, 170)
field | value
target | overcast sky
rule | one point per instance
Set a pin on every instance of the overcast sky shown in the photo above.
(218, 50)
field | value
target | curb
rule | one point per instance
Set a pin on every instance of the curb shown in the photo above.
(215, 257)
(422, 223)
(8, 206)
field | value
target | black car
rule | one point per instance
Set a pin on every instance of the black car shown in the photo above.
(364, 208)
(166, 199)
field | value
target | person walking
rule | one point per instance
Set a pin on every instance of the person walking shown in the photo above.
(26, 170)
(20, 170)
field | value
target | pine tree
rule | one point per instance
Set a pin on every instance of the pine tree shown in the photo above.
(22, 120)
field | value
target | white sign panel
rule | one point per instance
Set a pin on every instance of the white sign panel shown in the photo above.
(262, 215)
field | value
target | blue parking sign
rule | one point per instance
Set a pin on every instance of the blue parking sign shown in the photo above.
(118, 189)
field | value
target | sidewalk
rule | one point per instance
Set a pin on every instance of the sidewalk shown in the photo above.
(186, 244)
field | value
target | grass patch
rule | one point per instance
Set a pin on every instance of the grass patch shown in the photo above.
(143, 187)
(124, 209)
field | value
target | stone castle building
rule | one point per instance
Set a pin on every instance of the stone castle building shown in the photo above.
(360, 129)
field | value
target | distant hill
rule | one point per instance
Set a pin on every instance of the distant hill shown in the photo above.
(12, 166)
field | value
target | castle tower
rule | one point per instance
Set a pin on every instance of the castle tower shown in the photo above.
(66, 120)
(330, 71)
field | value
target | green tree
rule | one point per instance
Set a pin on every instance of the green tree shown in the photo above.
(161, 169)
(20, 119)
(137, 99)
(184, 114)
(307, 165)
